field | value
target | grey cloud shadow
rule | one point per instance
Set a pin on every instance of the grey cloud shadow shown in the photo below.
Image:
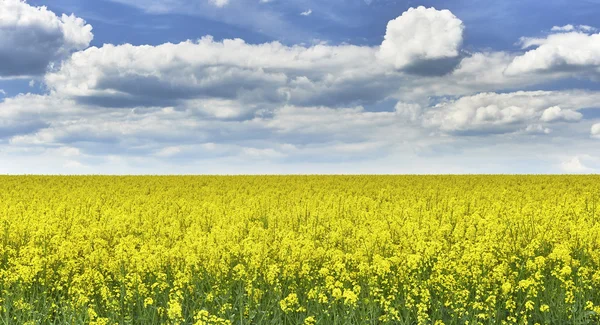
(489, 130)
(136, 91)
(21, 128)
(28, 52)
(124, 101)
(349, 93)
(434, 68)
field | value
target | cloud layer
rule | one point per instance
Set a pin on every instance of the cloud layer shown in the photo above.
(31, 38)
(509, 112)
(575, 51)
(417, 102)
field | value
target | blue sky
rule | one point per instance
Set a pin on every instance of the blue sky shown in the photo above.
(255, 86)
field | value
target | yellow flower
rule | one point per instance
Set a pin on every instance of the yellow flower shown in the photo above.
(322, 247)
(174, 311)
(148, 301)
(310, 320)
(289, 303)
(337, 293)
(565, 271)
(506, 287)
(350, 298)
(589, 305)
(529, 305)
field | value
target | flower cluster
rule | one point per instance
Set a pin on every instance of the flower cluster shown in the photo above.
(300, 250)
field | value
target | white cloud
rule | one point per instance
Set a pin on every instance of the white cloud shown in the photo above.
(220, 108)
(508, 112)
(176, 133)
(306, 13)
(292, 132)
(25, 114)
(31, 38)
(595, 131)
(575, 166)
(219, 3)
(29, 106)
(408, 111)
(570, 28)
(555, 113)
(565, 28)
(537, 129)
(485, 69)
(128, 75)
(266, 76)
(421, 34)
(233, 79)
(587, 28)
(574, 52)
(414, 97)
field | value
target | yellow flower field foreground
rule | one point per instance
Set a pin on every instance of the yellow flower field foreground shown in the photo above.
(300, 250)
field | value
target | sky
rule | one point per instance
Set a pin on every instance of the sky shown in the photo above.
(299, 87)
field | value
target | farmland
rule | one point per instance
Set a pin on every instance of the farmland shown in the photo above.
(300, 249)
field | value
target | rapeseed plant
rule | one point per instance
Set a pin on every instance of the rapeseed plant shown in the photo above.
(300, 250)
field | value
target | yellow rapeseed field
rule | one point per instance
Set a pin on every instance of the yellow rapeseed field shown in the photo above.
(300, 250)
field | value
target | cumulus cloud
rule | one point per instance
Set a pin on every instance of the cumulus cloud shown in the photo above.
(27, 113)
(595, 131)
(177, 131)
(291, 133)
(128, 75)
(306, 13)
(555, 113)
(180, 133)
(575, 51)
(243, 79)
(415, 95)
(575, 166)
(493, 113)
(422, 35)
(269, 75)
(31, 38)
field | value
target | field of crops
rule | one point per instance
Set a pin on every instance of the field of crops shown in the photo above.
(300, 250)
